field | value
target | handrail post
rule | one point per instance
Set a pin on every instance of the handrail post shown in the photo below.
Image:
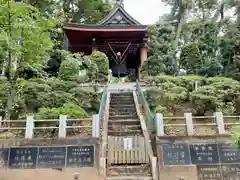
(95, 126)
(159, 124)
(220, 122)
(29, 127)
(153, 160)
(62, 126)
(189, 124)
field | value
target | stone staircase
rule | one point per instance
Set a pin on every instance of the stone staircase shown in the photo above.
(123, 123)
(123, 119)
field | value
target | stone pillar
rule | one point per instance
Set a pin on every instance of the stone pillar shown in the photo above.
(143, 53)
(94, 46)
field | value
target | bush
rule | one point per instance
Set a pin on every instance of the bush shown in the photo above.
(70, 109)
(101, 60)
(70, 68)
(183, 81)
(32, 92)
(89, 100)
(59, 85)
(220, 95)
(166, 96)
(216, 93)
(55, 99)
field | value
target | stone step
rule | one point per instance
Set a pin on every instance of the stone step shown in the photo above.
(129, 170)
(122, 106)
(122, 99)
(129, 94)
(124, 127)
(123, 113)
(124, 121)
(122, 117)
(125, 133)
(122, 110)
(122, 102)
(121, 96)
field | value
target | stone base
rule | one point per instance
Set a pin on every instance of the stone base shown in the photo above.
(49, 174)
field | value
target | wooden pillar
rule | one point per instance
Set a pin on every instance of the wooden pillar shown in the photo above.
(143, 57)
(94, 46)
(143, 53)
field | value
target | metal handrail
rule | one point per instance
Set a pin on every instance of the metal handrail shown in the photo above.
(147, 111)
(102, 104)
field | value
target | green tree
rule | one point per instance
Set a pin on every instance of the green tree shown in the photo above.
(161, 53)
(101, 61)
(77, 67)
(26, 39)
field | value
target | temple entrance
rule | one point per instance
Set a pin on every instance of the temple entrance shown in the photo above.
(118, 35)
(123, 59)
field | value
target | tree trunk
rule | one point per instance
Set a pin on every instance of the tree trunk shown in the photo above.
(201, 6)
(178, 34)
(238, 14)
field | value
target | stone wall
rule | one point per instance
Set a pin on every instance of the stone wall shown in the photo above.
(174, 172)
(49, 174)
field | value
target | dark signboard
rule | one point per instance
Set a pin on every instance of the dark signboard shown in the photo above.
(209, 172)
(4, 153)
(80, 156)
(24, 158)
(174, 154)
(231, 171)
(228, 153)
(204, 153)
(51, 157)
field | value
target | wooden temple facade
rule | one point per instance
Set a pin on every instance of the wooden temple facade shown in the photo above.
(118, 35)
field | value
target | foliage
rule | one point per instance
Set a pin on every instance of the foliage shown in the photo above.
(70, 67)
(101, 60)
(236, 135)
(26, 39)
(180, 94)
(199, 37)
(88, 100)
(70, 109)
(161, 53)
(80, 68)
(34, 94)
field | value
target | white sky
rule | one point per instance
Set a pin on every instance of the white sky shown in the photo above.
(145, 11)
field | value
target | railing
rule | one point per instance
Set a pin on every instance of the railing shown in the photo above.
(148, 143)
(102, 105)
(147, 111)
(31, 128)
(189, 125)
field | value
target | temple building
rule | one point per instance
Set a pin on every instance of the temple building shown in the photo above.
(118, 35)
